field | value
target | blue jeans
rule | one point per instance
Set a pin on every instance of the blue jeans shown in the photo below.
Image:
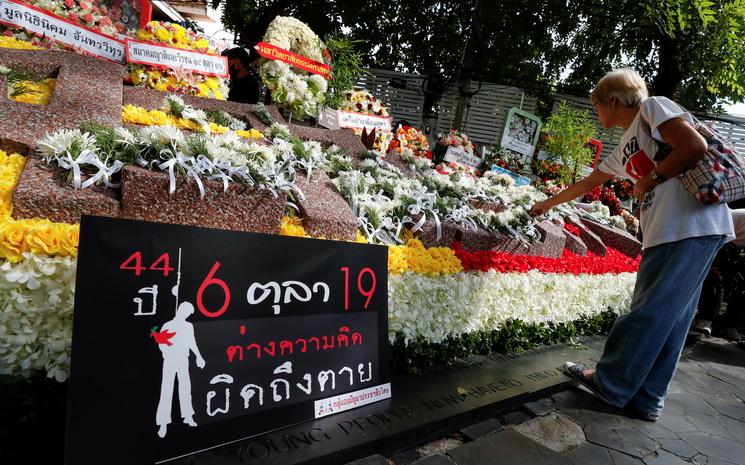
(644, 346)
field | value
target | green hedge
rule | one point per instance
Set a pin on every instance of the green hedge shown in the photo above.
(514, 336)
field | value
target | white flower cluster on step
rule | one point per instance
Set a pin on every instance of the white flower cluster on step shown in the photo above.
(37, 298)
(224, 157)
(432, 309)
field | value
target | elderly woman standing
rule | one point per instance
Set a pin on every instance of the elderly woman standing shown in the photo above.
(680, 239)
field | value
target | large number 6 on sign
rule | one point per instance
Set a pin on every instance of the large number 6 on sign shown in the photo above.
(365, 292)
(209, 281)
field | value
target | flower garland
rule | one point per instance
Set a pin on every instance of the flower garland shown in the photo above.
(410, 143)
(458, 139)
(171, 80)
(290, 87)
(363, 102)
(113, 19)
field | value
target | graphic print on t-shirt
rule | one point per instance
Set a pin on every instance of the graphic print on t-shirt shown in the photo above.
(635, 160)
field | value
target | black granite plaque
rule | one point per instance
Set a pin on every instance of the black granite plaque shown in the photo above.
(424, 407)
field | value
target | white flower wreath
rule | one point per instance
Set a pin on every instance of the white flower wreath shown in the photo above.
(301, 92)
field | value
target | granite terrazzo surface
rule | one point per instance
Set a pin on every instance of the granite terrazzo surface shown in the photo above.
(87, 89)
(323, 210)
(145, 197)
(44, 191)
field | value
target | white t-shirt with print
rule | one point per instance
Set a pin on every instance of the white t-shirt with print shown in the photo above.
(668, 213)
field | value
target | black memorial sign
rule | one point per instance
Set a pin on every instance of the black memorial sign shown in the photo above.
(188, 338)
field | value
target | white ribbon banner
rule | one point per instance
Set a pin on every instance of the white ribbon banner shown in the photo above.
(348, 119)
(43, 23)
(459, 155)
(336, 119)
(145, 53)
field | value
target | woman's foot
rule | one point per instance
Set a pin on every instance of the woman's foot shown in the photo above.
(585, 376)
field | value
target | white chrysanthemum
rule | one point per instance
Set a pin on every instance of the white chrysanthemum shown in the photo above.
(161, 135)
(292, 34)
(433, 309)
(60, 142)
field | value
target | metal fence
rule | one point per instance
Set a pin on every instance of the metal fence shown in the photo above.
(484, 117)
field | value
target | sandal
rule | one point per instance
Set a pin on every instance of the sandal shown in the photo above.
(576, 372)
(647, 416)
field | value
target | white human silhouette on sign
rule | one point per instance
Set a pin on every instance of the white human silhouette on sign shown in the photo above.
(175, 341)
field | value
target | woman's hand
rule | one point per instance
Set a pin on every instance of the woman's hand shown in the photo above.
(539, 208)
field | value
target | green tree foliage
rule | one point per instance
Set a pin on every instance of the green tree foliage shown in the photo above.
(567, 132)
(690, 50)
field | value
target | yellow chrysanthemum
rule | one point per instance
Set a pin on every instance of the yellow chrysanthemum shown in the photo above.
(35, 92)
(12, 42)
(250, 134)
(36, 235)
(413, 256)
(163, 36)
(292, 226)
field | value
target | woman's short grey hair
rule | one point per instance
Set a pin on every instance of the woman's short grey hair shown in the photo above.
(625, 85)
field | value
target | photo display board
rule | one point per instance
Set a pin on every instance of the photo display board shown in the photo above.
(188, 338)
(521, 132)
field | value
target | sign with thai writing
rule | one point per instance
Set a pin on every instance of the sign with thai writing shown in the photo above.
(273, 52)
(145, 53)
(337, 119)
(519, 180)
(43, 23)
(459, 155)
(186, 338)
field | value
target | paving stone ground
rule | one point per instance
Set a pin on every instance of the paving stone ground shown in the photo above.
(703, 424)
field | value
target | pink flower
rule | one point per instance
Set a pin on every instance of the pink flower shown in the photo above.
(69, 3)
(88, 18)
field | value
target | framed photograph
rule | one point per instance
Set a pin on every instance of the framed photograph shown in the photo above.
(521, 131)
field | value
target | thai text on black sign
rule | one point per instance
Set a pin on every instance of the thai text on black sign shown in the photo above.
(188, 338)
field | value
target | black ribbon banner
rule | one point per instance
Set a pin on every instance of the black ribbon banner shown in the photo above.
(188, 338)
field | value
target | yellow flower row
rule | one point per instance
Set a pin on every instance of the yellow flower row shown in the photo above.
(12, 42)
(137, 115)
(35, 92)
(11, 167)
(413, 256)
(168, 81)
(36, 235)
(172, 34)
